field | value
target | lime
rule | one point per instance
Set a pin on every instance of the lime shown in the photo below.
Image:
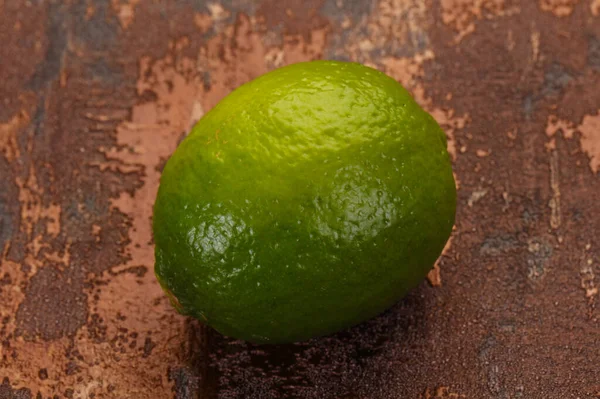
(307, 201)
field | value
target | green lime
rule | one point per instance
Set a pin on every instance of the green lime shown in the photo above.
(307, 201)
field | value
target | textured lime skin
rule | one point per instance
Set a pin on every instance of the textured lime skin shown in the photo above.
(307, 201)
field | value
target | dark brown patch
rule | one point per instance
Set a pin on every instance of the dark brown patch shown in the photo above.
(7, 392)
(72, 368)
(8, 208)
(50, 309)
(43, 374)
(293, 17)
(139, 271)
(148, 347)
(24, 40)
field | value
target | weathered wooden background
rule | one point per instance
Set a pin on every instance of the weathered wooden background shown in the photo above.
(95, 95)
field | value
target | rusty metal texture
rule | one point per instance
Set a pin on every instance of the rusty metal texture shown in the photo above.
(95, 96)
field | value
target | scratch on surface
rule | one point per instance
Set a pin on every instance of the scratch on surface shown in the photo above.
(510, 40)
(534, 40)
(535, 46)
(554, 204)
(90, 10)
(588, 284)
(115, 115)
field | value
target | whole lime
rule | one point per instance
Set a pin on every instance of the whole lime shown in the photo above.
(307, 201)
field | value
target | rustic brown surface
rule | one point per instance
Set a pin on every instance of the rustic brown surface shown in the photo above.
(95, 95)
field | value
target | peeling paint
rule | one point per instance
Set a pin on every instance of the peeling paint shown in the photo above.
(8, 135)
(35, 356)
(555, 125)
(404, 20)
(450, 123)
(124, 320)
(588, 284)
(33, 209)
(149, 139)
(125, 11)
(435, 275)
(589, 138)
(394, 29)
(461, 15)
(143, 143)
(409, 71)
(595, 7)
(10, 298)
(228, 69)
